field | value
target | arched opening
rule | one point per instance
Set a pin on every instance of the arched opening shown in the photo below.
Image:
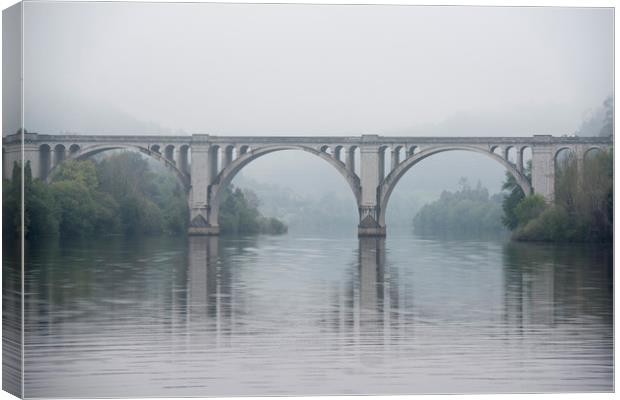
(430, 179)
(353, 158)
(284, 191)
(564, 157)
(45, 161)
(155, 148)
(59, 154)
(338, 150)
(244, 149)
(229, 155)
(526, 159)
(398, 155)
(591, 153)
(214, 161)
(511, 155)
(169, 153)
(412, 150)
(596, 168)
(326, 149)
(497, 150)
(385, 160)
(74, 149)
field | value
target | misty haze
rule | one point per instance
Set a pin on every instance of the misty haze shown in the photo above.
(281, 199)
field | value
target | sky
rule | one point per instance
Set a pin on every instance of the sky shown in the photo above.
(261, 69)
(240, 69)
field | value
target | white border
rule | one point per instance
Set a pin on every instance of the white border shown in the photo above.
(527, 3)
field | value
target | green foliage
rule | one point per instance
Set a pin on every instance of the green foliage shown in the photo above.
(122, 194)
(239, 215)
(77, 208)
(468, 210)
(514, 196)
(80, 172)
(273, 225)
(118, 195)
(42, 210)
(11, 203)
(583, 209)
(529, 208)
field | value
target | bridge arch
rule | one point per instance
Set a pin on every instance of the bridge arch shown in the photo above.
(389, 183)
(591, 152)
(227, 174)
(83, 153)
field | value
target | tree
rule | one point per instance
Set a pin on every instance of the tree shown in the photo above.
(608, 122)
(464, 211)
(583, 207)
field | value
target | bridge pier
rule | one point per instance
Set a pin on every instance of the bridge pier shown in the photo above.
(371, 171)
(200, 224)
(543, 172)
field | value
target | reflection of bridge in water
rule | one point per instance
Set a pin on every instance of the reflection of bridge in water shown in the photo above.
(215, 311)
(376, 306)
(205, 165)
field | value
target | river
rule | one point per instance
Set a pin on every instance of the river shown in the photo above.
(313, 314)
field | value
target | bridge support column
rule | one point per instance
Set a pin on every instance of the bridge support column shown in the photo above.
(198, 197)
(13, 154)
(370, 164)
(543, 172)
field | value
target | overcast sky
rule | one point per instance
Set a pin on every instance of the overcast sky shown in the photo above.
(233, 69)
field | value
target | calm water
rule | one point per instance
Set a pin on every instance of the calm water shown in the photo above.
(315, 315)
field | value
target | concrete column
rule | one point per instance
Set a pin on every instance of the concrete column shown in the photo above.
(12, 155)
(52, 161)
(177, 157)
(520, 160)
(381, 164)
(543, 171)
(198, 197)
(579, 153)
(228, 156)
(395, 158)
(369, 181)
(350, 159)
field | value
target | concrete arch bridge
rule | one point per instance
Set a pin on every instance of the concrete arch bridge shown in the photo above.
(206, 164)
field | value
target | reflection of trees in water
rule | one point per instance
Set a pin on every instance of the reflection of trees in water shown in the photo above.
(11, 318)
(75, 282)
(548, 284)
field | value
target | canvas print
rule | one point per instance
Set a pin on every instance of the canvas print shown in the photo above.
(212, 200)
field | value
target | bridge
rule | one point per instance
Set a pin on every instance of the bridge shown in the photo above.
(206, 164)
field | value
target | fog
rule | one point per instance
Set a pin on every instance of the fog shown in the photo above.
(239, 69)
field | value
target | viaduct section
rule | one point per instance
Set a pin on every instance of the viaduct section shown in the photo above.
(206, 164)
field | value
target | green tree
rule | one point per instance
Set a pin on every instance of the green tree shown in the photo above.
(583, 207)
(468, 210)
